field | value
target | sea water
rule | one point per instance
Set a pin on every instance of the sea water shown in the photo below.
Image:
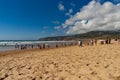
(10, 44)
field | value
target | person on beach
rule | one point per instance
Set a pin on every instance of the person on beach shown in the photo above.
(26, 46)
(39, 46)
(80, 43)
(91, 42)
(102, 42)
(95, 41)
(32, 46)
(87, 43)
(106, 41)
(21, 47)
(109, 41)
(56, 45)
(116, 39)
(43, 46)
(47, 45)
(16, 46)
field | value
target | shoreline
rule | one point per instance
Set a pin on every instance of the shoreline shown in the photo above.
(8, 52)
(34, 45)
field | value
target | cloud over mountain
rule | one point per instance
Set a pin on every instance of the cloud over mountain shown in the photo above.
(94, 16)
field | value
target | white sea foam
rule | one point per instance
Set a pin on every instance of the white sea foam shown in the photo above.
(27, 42)
(10, 45)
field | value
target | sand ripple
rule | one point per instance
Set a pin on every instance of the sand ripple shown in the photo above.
(101, 62)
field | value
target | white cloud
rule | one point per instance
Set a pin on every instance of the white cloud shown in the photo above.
(69, 13)
(56, 22)
(57, 27)
(94, 16)
(61, 7)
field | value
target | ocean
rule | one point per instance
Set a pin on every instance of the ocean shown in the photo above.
(10, 44)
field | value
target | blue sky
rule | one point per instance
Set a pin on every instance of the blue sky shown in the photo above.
(32, 19)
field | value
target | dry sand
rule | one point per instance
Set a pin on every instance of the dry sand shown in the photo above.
(101, 62)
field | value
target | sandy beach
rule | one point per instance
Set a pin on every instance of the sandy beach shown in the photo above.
(99, 62)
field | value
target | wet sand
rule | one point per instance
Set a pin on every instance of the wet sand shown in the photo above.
(100, 62)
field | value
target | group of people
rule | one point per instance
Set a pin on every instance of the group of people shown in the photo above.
(108, 41)
(42, 46)
(80, 43)
(22, 47)
(91, 42)
(95, 41)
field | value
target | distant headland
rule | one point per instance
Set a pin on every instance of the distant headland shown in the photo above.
(88, 35)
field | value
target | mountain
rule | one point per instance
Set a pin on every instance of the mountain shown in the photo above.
(89, 35)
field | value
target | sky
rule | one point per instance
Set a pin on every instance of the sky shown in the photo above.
(33, 19)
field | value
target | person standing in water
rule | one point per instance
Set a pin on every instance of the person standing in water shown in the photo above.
(43, 46)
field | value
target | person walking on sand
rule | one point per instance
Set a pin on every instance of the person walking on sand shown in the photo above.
(91, 42)
(95, 41)
(106, 41)
(109, 41)
(80, 43)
